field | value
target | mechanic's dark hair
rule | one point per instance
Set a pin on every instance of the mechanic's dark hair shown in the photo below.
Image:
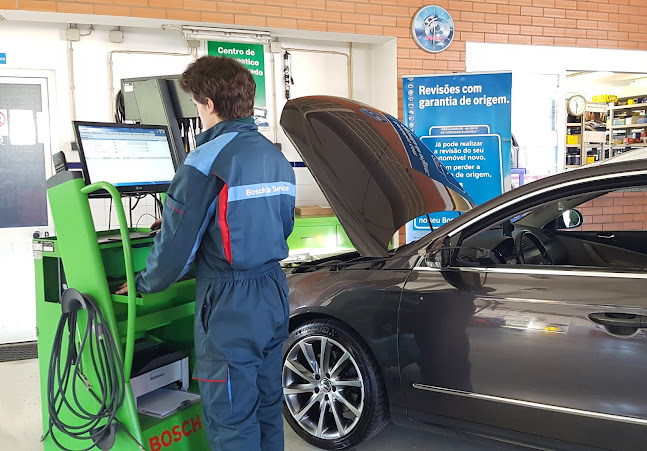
(225, 81)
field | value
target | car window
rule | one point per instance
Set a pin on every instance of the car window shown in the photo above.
(606, 229)
(617, 210)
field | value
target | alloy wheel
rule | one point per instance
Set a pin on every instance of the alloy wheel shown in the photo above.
(323, 387)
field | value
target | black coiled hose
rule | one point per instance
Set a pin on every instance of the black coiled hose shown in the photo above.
(97, 347)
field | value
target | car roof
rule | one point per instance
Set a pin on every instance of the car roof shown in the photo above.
(631, 155)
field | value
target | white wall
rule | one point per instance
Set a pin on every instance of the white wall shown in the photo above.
(41, 45)
(375, 75)
(314, 73)
(364, 72)
(540, 59)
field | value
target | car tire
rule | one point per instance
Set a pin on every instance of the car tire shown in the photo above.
(337, 400)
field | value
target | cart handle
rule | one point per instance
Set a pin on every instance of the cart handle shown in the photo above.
(130, 271)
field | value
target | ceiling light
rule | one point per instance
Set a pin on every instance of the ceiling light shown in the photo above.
(590, 75)
(211, 33)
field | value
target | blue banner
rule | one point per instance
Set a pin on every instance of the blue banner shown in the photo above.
(464, 119)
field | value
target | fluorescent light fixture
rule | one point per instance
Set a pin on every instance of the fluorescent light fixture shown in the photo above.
(590, 75)
(216, 34)
(639, 82)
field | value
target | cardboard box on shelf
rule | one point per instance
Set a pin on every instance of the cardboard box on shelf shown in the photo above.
(595, 137)
(313, 210)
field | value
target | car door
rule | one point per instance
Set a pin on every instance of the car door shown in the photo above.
(550, 350)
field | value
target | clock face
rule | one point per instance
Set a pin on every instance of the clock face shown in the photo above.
(576, 105)
(432, 29)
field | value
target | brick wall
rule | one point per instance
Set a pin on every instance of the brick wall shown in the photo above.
(594, 23)
(618, 24)
(616, 211)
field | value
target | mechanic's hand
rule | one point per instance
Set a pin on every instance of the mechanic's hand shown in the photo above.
(157, 224)
(123, 289)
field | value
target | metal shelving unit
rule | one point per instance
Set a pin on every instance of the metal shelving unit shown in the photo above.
(616, 132)
(591, 143)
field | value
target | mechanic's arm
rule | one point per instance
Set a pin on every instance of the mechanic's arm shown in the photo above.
(189, 206)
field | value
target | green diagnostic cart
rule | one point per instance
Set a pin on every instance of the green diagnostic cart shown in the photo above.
(96, 264)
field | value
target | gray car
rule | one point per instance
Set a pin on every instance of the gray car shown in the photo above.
(521, 320)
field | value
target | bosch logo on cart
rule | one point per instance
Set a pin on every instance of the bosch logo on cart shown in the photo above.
(175, 434)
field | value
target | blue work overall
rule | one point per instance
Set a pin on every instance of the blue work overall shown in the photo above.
(230, 209)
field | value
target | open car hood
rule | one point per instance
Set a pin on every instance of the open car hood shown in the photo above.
(376, 174)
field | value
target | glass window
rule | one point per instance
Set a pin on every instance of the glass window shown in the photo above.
(603, 229)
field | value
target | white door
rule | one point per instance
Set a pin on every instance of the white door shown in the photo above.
(25, 164)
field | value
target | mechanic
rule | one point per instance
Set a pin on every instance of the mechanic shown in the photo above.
(230, 207)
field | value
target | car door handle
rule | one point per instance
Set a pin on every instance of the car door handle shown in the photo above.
(606, 235)
(619, 319)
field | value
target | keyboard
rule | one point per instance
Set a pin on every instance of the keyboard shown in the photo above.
(117, 236)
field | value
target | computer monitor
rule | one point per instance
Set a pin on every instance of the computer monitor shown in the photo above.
(135, 158)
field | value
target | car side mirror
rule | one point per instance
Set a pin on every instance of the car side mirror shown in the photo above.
(434, 259)
(437, 254)
(441, 257)
(570, 219)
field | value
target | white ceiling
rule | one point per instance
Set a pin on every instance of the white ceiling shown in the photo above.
(609, 79)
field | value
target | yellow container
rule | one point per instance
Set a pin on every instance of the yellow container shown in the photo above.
(573, 139)
(606, 98)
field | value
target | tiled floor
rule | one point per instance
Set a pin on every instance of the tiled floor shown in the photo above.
(20, 420)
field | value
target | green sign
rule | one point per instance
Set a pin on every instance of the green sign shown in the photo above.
(249, 55)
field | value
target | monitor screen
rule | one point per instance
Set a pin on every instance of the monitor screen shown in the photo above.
(134, 158)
